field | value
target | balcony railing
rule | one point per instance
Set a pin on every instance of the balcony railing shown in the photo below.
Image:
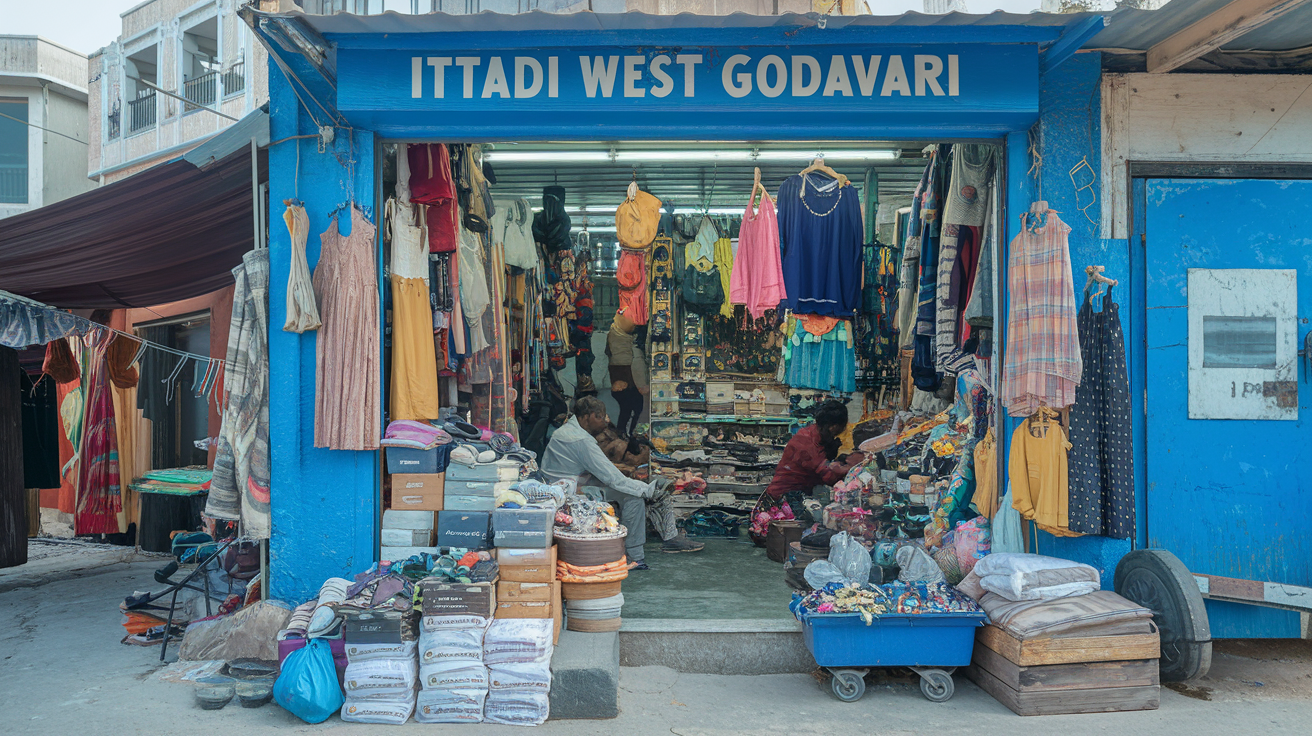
(141, 112)
(203, 91)
(13, 183)
(234, 79)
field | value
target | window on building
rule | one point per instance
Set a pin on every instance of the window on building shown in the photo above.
(141, 71)
(200, 64)
(13, 150)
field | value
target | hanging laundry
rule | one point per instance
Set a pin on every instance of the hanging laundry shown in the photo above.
(98, 485)
(757, 280)
(820, 244)
(120, 356)
(1038, 472)
(512, 226)
(24, 323)
(414, 392)
(818, 354)
(1043, 363)
(967, 208)
(346, 415)
(60, 363)
(432, 184)
(724, 264)
(302, 312)
(474, 295)
(240, 487)
(985, 500)
(1101, 459)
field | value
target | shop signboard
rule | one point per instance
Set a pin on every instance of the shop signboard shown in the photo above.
(776, 91)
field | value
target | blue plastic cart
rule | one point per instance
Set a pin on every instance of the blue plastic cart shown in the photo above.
(933, 645)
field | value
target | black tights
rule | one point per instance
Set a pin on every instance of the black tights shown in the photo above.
(630, 401)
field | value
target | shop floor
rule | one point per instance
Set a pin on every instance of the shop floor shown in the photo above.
(727, 580)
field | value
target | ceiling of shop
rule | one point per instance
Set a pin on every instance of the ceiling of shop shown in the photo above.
(693, 184)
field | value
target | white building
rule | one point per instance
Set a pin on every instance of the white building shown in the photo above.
(154, 91)
(43, 135)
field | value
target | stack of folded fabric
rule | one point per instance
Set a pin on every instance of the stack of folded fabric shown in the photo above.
(451, 670)
(414, 435)
(517, 652)
(1056, 643)
(380, 631)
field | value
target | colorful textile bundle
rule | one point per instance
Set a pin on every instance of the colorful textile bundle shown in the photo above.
(414, 434)
(612, 572)
(891, 598)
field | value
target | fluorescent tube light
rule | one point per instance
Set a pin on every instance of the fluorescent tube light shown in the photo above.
(699, 156)
(546, 157)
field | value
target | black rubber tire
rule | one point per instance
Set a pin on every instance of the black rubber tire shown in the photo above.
(1159, 581)
(937, 686)
(848, 686)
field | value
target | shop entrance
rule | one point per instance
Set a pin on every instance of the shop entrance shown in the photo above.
(717, 401)
(1226, 293)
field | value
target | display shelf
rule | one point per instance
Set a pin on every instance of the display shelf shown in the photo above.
(725, 419)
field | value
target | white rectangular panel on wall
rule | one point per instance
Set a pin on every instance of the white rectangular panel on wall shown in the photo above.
(1243, 343)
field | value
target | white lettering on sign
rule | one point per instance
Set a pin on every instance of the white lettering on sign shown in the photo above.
(801, 75)
(599, 73)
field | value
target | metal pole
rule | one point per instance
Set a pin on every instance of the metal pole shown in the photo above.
(255, 191)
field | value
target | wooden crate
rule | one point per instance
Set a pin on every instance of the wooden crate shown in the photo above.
(1074, 676)
(1066, 701)
(1067, 650)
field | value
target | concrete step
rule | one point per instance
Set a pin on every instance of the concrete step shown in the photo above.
(716, 646)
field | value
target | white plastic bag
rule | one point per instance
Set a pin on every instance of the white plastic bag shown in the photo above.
(849, 562)
(449, 646)
(535, 676)
(518, 640)
(391, 712)
(450, 706)
(516, 707)
(917, 565)
(455, 675)
(381, 679)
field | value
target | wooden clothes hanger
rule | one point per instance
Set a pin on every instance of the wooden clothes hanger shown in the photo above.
(1095, 275)
(818, 165)
(757, 186)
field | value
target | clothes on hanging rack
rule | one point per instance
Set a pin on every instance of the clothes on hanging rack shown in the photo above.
(1101, 458)
(1042, 361)
(1037, 469)
(757, 280)
(820, 243)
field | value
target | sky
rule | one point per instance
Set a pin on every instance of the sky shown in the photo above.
(87, 25)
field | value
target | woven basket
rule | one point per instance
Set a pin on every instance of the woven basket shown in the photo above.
(588, 591)
(610, 624)
(590, 550)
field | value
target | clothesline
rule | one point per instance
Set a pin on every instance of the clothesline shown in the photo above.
(96, 326)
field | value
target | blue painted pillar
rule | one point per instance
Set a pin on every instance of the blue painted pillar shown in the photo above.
(324, 502)
(1071, 124)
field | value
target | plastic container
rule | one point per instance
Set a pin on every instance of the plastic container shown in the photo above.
(409, 460)
(530, 528)
(927, 643)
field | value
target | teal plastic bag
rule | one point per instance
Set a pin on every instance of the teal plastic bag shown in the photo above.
(307, 685)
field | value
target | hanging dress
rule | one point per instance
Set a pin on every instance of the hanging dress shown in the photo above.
(302, 312)
(1101, 463)
(99, 496)
(959, 250)
(820, 236)
(414, 393)
(474, 296)
(347, 391)
(757, 280)
(1043, 363)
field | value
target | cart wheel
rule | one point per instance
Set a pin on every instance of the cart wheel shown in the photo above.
(1158, 581)
(937, 685)
(848, 685)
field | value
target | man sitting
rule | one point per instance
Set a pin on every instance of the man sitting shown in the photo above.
(575, 453)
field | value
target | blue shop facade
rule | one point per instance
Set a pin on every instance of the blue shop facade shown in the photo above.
(1021, 82)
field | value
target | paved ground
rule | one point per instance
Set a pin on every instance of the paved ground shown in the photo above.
(63, 671)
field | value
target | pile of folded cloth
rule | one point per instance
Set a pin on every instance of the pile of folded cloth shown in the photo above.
(608, 573)
(414, 435)
(517, 652)
(455, 565)
(452, 675)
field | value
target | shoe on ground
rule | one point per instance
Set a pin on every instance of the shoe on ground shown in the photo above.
(633, 566)
(681, 543)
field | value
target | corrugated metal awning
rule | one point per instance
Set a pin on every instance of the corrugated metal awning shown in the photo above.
(171, 232)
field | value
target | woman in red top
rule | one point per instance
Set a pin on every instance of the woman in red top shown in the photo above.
(810, 459)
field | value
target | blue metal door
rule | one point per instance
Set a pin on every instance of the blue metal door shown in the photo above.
(1227, 291)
